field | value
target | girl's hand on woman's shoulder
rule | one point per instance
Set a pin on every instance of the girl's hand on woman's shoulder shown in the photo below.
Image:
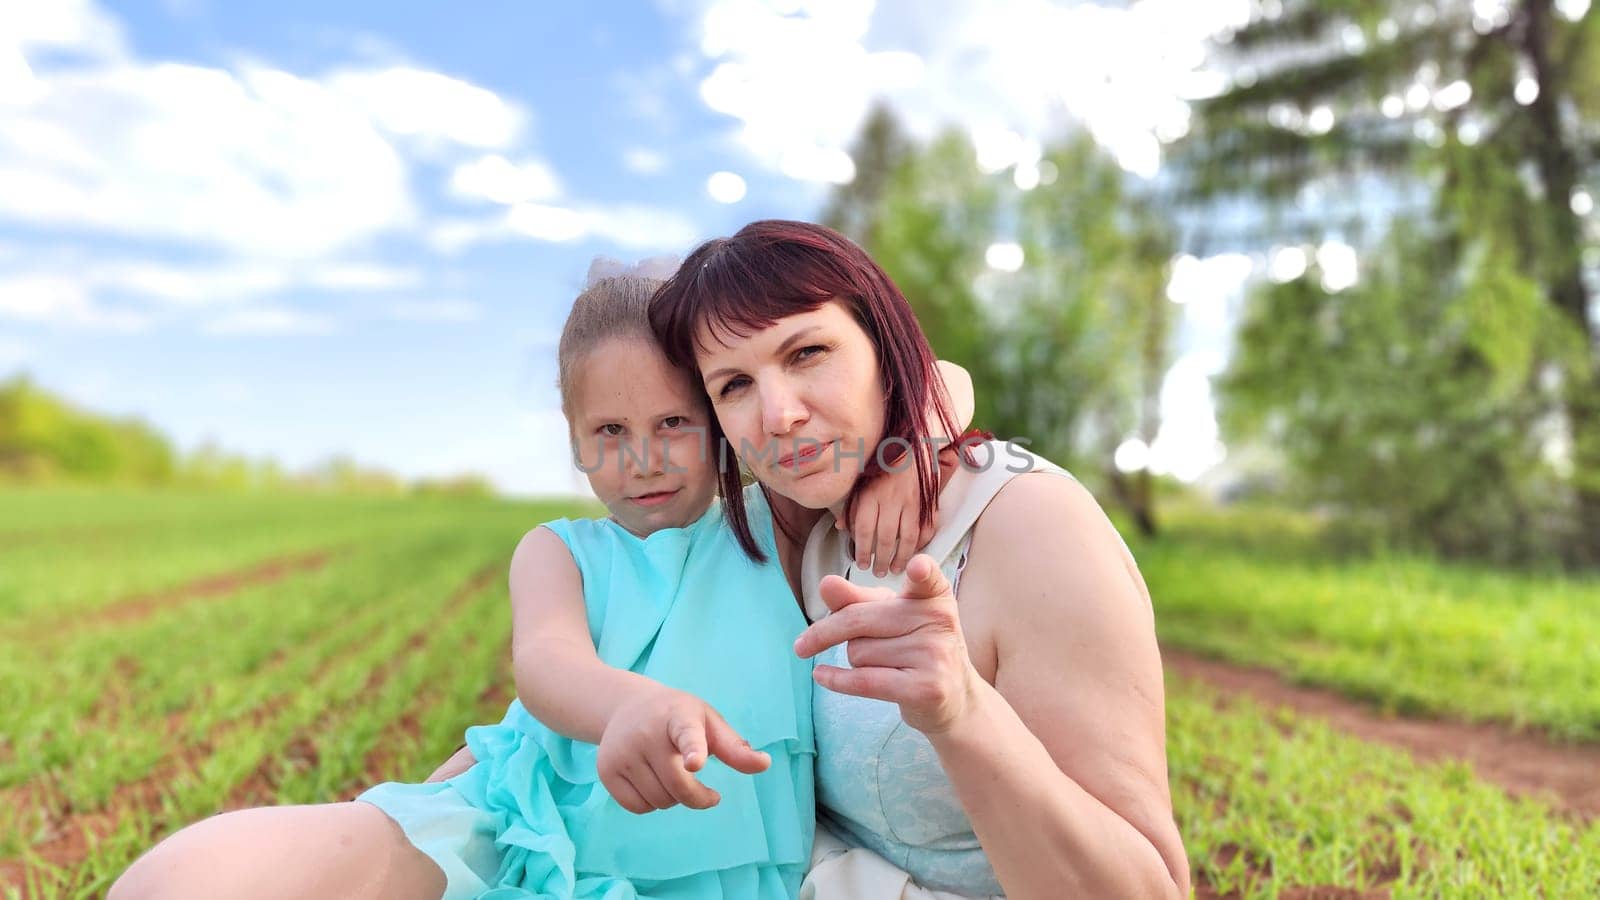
(656, 740)
(885, 526)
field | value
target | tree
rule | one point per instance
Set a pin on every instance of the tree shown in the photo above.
(1068, 351)
(1485, 111)
(43, 437)
(877, 152)
(1401, 402)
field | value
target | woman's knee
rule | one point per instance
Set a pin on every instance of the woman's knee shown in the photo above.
(330, 850)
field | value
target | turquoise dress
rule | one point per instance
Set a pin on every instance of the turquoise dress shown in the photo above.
(685, 607)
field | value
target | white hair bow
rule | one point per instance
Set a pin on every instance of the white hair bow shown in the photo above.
(658, 267)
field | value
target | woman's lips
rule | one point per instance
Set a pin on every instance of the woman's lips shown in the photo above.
(804, 455)
(655, 499)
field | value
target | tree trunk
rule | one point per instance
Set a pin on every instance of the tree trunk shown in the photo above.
(1558, 172)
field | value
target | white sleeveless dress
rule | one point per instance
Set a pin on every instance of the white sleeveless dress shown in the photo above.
(889, 826)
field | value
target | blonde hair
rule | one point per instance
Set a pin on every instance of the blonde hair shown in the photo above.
(610, 308)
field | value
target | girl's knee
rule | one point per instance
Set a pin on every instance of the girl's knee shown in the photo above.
(190, 856)
(339, 849)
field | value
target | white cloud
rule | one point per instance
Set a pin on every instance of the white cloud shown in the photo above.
(269, 321)
(361, 276)
(209, 284)
(725, 187)
(419, 103)
(193, 286)
(1023, 66)
(436, 311)
(499, 180)
(546, 223)
(259, 162)
(631, 227)
(643, 161)
(61, 301)
(248, 159)
(73, 24)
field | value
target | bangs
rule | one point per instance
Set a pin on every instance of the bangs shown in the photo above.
(732, 288)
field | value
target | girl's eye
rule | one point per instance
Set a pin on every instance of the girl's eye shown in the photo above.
(673, 423)
(732, 384)
(805, 353)
(611, 429)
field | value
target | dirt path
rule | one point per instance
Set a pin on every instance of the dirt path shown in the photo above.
(1524, 763)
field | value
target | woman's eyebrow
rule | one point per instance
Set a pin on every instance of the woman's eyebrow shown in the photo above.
(782, 349)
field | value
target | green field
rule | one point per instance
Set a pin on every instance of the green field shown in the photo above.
(1409, 634)
(164, 656)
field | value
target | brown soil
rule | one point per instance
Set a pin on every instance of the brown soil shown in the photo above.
(1204, 891)
(381, 763)
(261, 787)
(142, 606)
(72, 834)
(1524, 763)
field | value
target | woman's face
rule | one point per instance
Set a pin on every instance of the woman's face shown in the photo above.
(801, 402)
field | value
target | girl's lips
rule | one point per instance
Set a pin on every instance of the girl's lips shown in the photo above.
(656, 499)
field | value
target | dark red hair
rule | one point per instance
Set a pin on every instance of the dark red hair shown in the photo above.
(774, 269)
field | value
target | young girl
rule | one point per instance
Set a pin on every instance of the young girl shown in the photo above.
(653, 659)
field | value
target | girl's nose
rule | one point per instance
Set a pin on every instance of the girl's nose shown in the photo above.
(645, 457)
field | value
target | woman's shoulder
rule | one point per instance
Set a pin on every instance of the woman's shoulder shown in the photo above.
(1042, 526)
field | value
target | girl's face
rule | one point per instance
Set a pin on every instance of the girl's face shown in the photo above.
(639, 434)
(801, 402)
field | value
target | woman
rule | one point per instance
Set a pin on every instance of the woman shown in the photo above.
(1031, 760)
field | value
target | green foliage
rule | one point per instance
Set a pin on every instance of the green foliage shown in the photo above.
(1500, 360)
(1408, 633)
(44, 437)
(1066, 352)
(1413, 403)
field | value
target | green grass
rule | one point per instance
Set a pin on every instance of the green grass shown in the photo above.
(287, 690)
(1266, 801)
(1408, 634)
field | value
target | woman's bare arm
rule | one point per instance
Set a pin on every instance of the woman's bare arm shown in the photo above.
(1056, 744)
(1061, 764)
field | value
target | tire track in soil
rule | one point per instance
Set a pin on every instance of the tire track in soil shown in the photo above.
(261, 786)
(73, 833)
(1523, 763)
(142, 606)
(380, 762)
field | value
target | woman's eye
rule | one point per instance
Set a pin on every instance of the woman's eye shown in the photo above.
(805, 353)
(731, 385)
(611, 429)
(673, 422)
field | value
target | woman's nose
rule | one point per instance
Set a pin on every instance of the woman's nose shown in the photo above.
(781, 409)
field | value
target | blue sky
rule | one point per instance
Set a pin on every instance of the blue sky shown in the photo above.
(301, 229)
